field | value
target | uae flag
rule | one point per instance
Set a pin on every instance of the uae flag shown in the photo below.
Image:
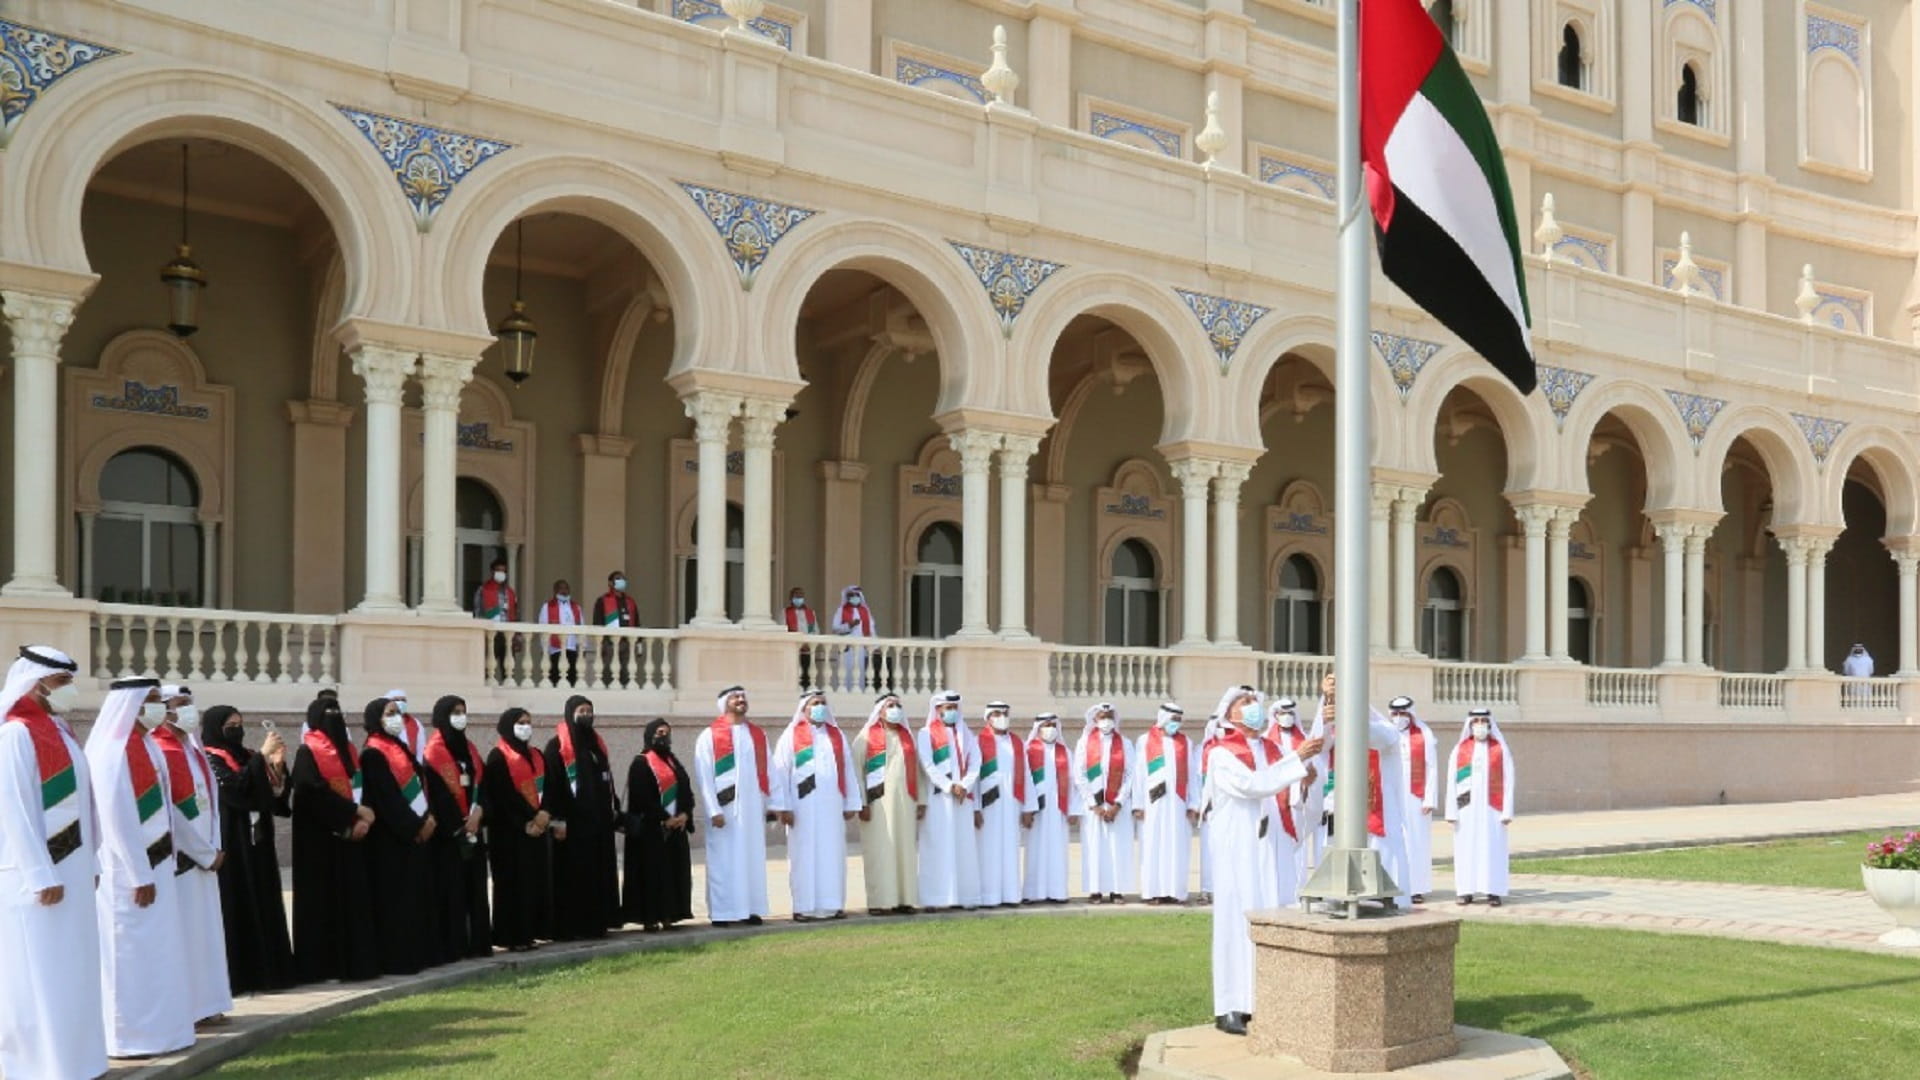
(1443, 214)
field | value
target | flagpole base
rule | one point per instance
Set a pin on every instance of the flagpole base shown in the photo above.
(1347, 876)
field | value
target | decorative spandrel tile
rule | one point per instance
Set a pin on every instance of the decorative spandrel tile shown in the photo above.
(1711, 7)
(1696, 413)
(1297, 175)
(1713, 275)
(1821, 432)
(1008, 278)
(1225, 321)
(1126, 129)
(748, 226)
(1404, 357)
(1834, 35)
(31, 61)
(1842, 311)
(709, 13)
(1561, 386)
(427, 162)
(913, 71)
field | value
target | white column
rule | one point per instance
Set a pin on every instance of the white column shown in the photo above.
(1015, 450)
(1673, 539)
(1379, 600)
(1697, 593)
(86, 554)
(976, 474)
(441, 379)
(1533, 523)
(1558, 528)
(385, 371)
(712, 414)
(1796, 549)
(37, 323)
(758, 419)
(1909, 564)
(1194, 475)
(1226, 551)
(209, 563)
(1406, 504)
(1817, 602)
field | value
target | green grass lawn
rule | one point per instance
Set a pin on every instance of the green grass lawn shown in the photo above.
(1825, 862)
(1064, 997)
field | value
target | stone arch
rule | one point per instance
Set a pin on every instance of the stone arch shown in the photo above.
(72, 134)
(929, 274)
(1310, 336)
(1525, 429)
(1782, 448)
(1153, 315)
(1891, 457)
(618, 361)
(662, 223)
(1834, 124)
(1655, 425)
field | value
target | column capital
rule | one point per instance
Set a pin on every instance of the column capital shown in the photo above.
(384, 369)
(1228, 478)
(1534, 517)
(1904, 549)
(1672, 534)
(1382, 497)
(38, 321)
(442, 377)
(1407, 501)
(712, 414)
(758, 418)
(1193, 473)
(1696, 539)
(1796, 547)
(975, 447)
(1017, 447)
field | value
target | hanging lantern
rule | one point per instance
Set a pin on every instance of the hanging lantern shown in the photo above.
(517, 332)
(182, 276)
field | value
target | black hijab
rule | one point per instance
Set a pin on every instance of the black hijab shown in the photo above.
(585, 743)
(376, 709)
(646, 742)
(505, 728)
(324, 716)
(443, 723)
(213, 731)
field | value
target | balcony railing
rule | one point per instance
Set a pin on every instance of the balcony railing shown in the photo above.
(527, 656)
(1475, 684)
(1091, 673)
(1622, 688)
(909, 667)
(1878, 695)
(1765, 692)
(203, 645)
(1294, 676)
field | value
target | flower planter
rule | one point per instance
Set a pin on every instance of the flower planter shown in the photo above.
(1898, 894)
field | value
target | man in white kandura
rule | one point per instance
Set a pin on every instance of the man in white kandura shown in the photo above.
(1050, 779)
(1383, 801)
(889, 819)
(1103, 774)
(51, 1023)
(815, 793)
(1006, 807)
(146, 997)
(1480, 805)
(949, 846)
(1299, 822)
(197, 855)
(1243, 781)
(730, 760)
(1420, 793)
(1166, 804)
(853, 618)
(1857, 665)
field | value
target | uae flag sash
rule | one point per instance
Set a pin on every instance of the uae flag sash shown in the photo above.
(227, 757)
(803, 756)
(148, 799)
(400, 763)
(528, 772)
(1157, 765)
(726, 766)
(570, 759)
(343, 776)
(1106, 776)
(440, 759)
(1496, 774)
(1376, 814)
(990, 766)
(496, 602)
(60, 803)
(873, 763)
(943, 748)
(554, 607)
(666, 780)
(1062, 772)
(1236, 743)
(1417, 759)
(180, 789)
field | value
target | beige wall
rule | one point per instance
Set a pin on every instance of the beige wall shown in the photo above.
(1109, 429)
(1473, 470)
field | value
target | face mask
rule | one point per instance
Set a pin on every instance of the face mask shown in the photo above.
(950, 715)
(232, 733)
(562, 597)
(1286, 719)
(798, 601)
(187, 716)
(619, 584)
(1171, 727)
(1048, 734)
(1481, 731)
(400, 705)
(1402, 721)
(523, 732)
(856, 599)
(894, 713)
(63, 698)
(393, 723)
(458, 720)
(1104, 724)
(817, 713)
(662, 742)
(500, 576)
(999, 721)
(584, 720)
(151, 714)
(1252, 714)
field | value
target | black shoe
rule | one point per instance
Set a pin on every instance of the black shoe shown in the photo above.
(719, 925)
(906, 909)
(1466, 898)
(1116, 898)
(1231, 1024)
(1419, 898)
(1245, 1018)
(753, 920)
(879, 911)
(1493, 901)
(1096, 898)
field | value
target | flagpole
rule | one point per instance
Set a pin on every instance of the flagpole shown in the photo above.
(1350, 870)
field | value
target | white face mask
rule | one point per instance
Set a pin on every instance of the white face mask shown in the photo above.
(523, 732)
(152, 714)
(999, 721)
(393, 723)
(562, 597)
(1402, 721)
(1481, 731)
(187, 716)
(500, 576)
(62, 698)
(894, 713)
(1104, 724)
(1049, 733)
(619, 584)
(1285, 719)
(458, 720)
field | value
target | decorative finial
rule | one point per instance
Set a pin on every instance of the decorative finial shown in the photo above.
(1549, 232)
(999, 79)
(1809, 298)
(1212, 138)
(743, 12)
(1686, 273)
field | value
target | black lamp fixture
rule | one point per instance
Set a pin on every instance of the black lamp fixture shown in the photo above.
(516, 331)
(183, 277)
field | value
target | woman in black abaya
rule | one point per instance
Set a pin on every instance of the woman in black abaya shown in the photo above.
(518, 848)
(331, 895)
(586, 880)
(399, 863)
(253, 791)
(659, 885)
(454, 773)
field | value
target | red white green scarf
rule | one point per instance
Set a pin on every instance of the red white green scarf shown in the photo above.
(990, 761)
(1376, 814)
(496, 601)
(343, 776)
(666, 780)
(943, 747)
(400, 763)
(803, 752)
(59, 784)
(1157, 758)
(180, 788)
(1496, 771)
(1417, 757)
(440, 759)
(156, 829)
(725, 764)
(1113, 770)
(1062, 772)
(529, 773)
(1236, 743)
(873, 763)
(570, 758)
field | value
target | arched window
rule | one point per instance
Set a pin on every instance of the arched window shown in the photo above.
(1687, 108)
(1296, 608)
(147, 539)
(1133, 598)
(1442, 12)
(1579, 621)
(1443, 622)
(1573, 72)
(933, 587)
(478, 522)
(736, 587)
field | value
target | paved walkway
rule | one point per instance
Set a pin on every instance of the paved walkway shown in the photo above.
(1826, 917)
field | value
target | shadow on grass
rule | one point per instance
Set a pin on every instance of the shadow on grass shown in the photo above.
(1129, 1059)
(423, 1036)
(1569, 1012)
